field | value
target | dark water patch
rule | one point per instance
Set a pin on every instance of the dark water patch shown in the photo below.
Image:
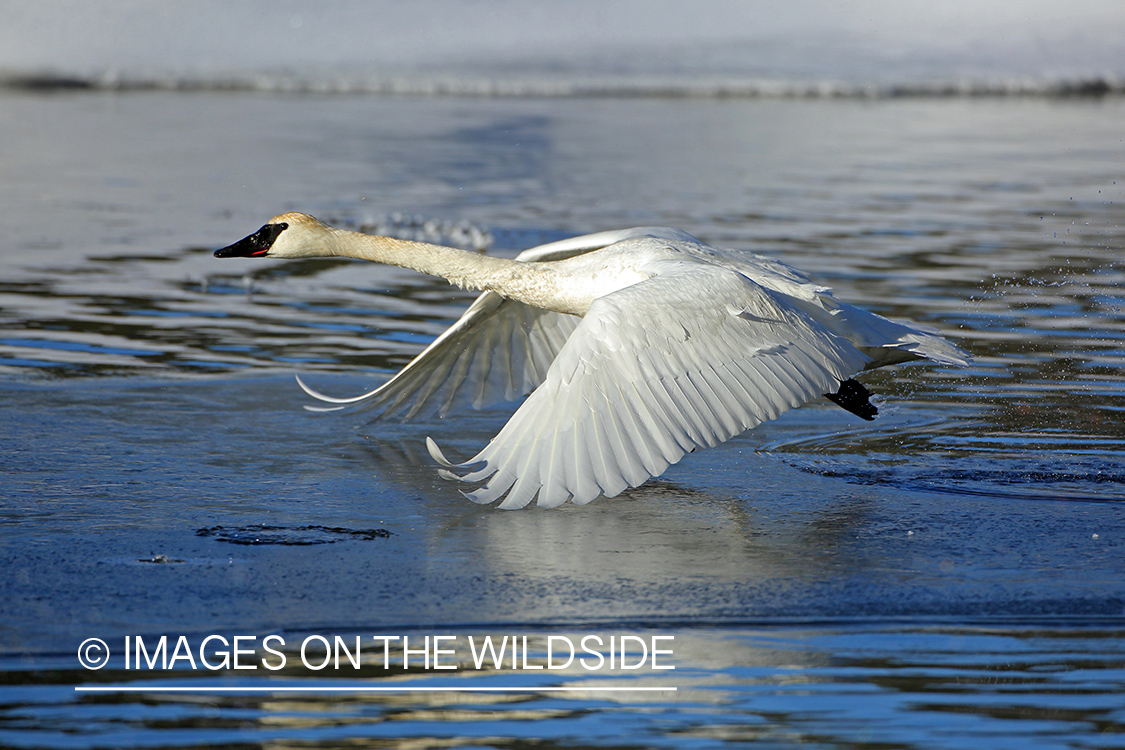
(47, 82)
(296, 536)
(970, 456)
(1014, 480)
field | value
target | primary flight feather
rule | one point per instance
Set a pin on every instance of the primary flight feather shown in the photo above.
(637, 346)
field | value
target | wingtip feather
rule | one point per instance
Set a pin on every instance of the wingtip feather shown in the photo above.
(330, 399)
(437, 455)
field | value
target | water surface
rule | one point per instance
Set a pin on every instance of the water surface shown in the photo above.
(950, 575)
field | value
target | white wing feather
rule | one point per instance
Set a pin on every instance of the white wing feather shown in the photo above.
(689, 358)
(498, 350)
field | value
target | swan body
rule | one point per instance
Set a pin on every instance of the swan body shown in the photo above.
(636, 346)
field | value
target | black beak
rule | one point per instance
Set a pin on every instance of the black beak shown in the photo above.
(254, 246)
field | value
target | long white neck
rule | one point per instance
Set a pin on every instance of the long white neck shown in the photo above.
(535, 284)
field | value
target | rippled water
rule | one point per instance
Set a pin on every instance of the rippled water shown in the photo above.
(951, 575)
(914, 686)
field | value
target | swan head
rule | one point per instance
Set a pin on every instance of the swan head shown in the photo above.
(291, 235)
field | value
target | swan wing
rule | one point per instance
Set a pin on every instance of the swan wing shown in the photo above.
(688, 358)
(497, 351)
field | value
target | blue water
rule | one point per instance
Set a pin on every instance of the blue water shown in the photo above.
(815, 685)
(950, 575)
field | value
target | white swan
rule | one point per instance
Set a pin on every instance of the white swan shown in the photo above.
(637, 346)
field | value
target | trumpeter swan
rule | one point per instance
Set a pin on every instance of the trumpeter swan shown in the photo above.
(637, 346)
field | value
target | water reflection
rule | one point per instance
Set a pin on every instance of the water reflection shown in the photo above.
(646, 540)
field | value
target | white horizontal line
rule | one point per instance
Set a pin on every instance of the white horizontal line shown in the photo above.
(364, 689)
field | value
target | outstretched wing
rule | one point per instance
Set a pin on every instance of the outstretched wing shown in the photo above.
(688, 358)
(497, 351)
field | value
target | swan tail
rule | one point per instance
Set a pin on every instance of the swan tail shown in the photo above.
(888, 342)
(928, 344)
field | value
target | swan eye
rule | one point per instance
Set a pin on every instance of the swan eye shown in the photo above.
(283, 226)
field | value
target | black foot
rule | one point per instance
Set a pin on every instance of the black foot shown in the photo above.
(855, 398)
